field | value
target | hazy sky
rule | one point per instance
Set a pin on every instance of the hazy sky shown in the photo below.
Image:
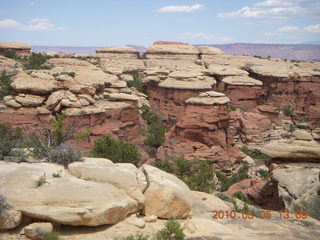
(141, 22)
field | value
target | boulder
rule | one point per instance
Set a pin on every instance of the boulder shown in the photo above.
(25, 83)
(292, 149)
(121, 175)
(297, 184)
(67, 200)
(54, 99)
(204, 203)
(13, 103)
(30, 100)
(166, 195)
(10, 219)
(242, 81)
(207, 50)
(37, 230)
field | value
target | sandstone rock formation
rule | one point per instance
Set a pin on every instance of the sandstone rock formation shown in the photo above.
(18, 47)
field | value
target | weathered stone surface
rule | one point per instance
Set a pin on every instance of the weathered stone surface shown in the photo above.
(54, 99)
(297, 184)
(242, 80)
(14, 45)
(66, 200)
(33, 85)
(121, 175)
(172, 50)
(208, 100)
(166, 195)
(30, 100)
(37, 230)
(13, 103)
(204, 203)
(221, 70)
(292, 149)
(10, 219)
(207, 50)
(302, 135)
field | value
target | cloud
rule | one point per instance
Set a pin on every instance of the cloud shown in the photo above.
(9, 23)
(186, 9)
(259, 13)
(203, 37)
(36, 24)
(313, 28)
(277, 3)
(288, 29)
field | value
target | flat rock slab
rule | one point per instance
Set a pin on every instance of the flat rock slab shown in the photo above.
(66, 200)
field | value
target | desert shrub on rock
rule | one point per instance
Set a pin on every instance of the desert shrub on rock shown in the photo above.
(36, 61)
(287, 110)
(5, 85)
(197, 174)
(51, 236)
(137, 81)
(3, 205)
(52, 145)
(226, 182)
(10, 139)
(116, 150)
(172, 231)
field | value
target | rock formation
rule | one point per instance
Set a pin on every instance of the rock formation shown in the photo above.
(22, 49)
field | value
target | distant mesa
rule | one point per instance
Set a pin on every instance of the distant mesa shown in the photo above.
(18, 47)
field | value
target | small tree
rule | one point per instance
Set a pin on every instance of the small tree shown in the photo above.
(172, 231)
(5, 85)
(116, 151)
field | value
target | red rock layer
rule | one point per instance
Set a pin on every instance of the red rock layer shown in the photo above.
(202, 133)
(169, 103)
(303, 93)
(263, 193)
(121, 123)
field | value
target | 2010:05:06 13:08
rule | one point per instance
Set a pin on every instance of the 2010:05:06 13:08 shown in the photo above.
(263, 214)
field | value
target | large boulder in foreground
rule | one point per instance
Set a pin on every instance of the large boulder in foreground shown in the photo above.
(66, 200)
(166, 195)
(122, 175)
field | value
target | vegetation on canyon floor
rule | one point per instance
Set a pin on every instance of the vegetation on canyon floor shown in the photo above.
(312, 207)
(137, 81)
(197, 174)
(155, 130)
(116, 150)
(171, 231)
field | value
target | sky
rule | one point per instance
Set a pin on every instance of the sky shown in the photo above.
(142, 22)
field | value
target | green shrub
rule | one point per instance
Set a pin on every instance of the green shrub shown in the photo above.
(287, 110)
(155, 131)
(197, 174)
(41, 180)
(312, 207)
(226, 182)
(63, 154)
(116, 150)
(232, 107)
(241, 197)
(172, 231)
(57, 174)
(37, 61)
(137, 237)
(137, 81)
(5, 85)
(236, 207)
(51, 236)
(253, 155)
(10, 138)
(9, 53)
(264, 174)
(223, 197)
(4, 205)
(71, 74)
